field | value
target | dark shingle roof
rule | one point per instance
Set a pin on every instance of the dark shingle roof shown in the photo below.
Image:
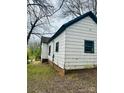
(45, 39)
(64, 26)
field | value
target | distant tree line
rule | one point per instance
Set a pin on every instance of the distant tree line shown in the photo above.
(33, 51)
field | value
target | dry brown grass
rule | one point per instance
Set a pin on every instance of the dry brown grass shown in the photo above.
(44, 79)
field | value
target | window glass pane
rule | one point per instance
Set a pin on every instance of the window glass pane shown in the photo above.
(57, 46)
(89, 43)
(89, 46)
(49, 50)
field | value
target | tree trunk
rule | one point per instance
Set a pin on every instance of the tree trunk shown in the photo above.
(30, 32)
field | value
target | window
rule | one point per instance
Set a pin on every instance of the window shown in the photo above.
(57, 47)
(89, 46)
(49, 50)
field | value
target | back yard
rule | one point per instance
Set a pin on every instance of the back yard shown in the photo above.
(42, 78)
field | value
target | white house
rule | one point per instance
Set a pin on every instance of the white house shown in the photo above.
(74, 45)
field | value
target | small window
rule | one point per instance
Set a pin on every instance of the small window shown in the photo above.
(49, 50)
(89, 46)
(57, 47)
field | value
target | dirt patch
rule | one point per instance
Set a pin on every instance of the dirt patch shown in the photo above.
(82, 82)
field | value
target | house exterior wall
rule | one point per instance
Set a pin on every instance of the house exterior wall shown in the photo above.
(51, 53)
(75, 58)
(71, 46)
(44, 54)
(59, 57)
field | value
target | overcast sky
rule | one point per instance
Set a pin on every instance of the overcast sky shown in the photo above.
(55, 21)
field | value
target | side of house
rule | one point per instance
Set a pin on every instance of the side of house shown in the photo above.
(76, 56)
(44, 55)
(44, 48)
(74, 45)
(56, 52)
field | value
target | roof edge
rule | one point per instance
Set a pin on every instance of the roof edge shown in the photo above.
(64, 26)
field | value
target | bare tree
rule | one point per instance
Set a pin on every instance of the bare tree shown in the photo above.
(39, 12)
(79, 7)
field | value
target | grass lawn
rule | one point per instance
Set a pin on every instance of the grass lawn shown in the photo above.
(42, 78)
(40, 71)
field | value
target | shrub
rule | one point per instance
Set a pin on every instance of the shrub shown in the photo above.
(33, 54)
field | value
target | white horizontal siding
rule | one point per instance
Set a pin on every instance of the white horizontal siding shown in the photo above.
(71, 45)
(59, 57)
(50, 56)
(75, 58)
(44, 54)
(81, 35)
(80, 60)
(79, 66)
(78, 63)
(76, 39)
(82, 26)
